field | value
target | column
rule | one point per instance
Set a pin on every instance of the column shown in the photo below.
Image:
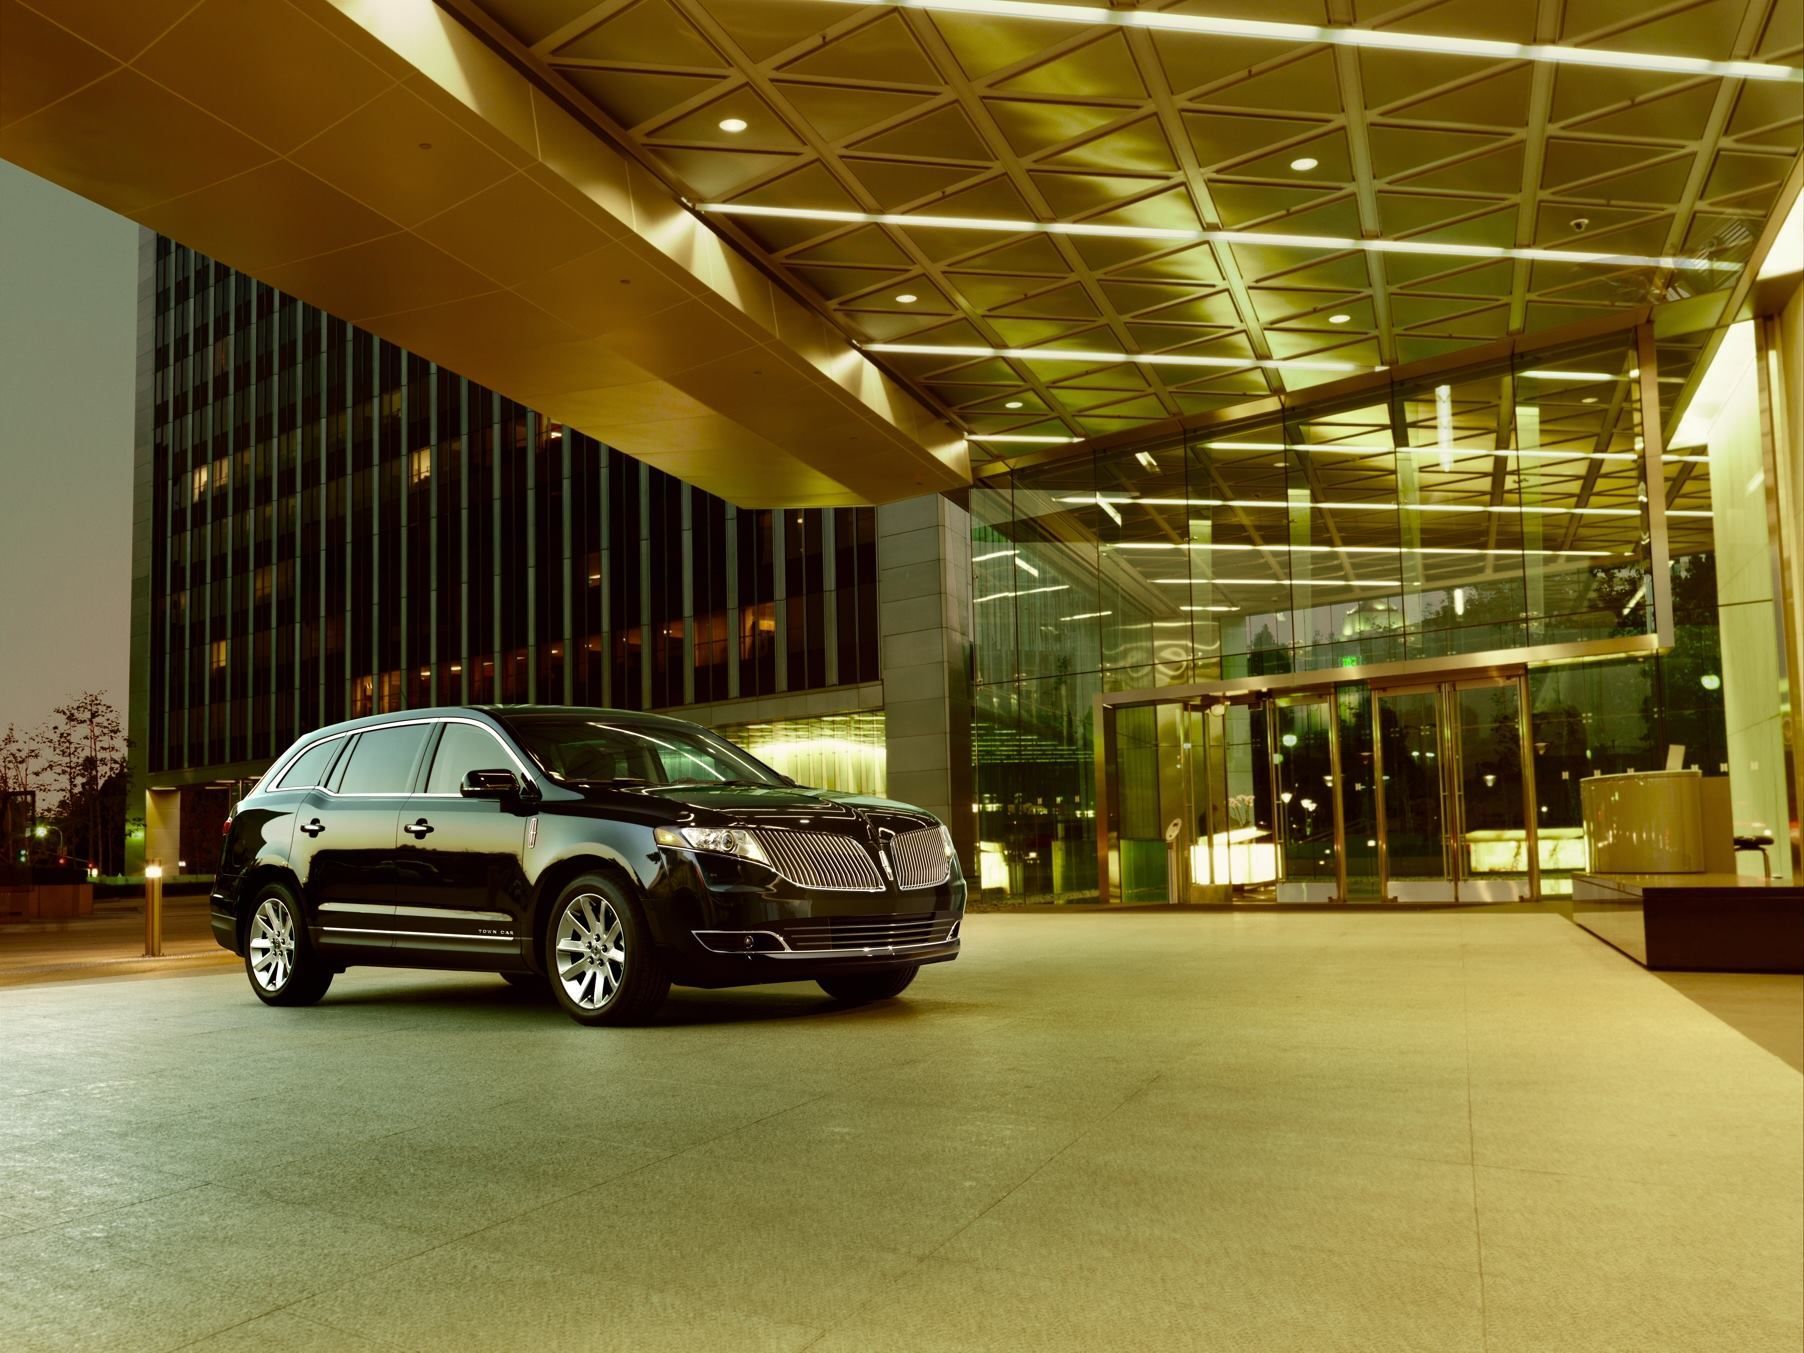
(924, 619)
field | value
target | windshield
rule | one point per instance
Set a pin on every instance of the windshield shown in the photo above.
(574, 747)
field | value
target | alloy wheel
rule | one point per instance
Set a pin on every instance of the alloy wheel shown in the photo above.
(272, 944)
(591, 950)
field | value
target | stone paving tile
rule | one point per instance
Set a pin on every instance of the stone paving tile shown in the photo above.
(1308, 1131)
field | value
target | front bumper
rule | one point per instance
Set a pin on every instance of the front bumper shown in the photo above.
(704, 906)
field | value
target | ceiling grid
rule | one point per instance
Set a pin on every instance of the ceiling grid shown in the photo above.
(906, 111)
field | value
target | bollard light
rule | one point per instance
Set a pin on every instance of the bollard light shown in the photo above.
(153, 909)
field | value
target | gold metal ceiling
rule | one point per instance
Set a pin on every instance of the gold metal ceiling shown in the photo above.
(496, 184)
(376, 158)
(902, 109)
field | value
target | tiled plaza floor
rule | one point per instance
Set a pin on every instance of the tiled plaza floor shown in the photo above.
(1311, 1132)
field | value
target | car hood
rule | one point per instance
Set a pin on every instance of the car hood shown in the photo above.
(790, 807)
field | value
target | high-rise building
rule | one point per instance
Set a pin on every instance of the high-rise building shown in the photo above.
(330, 526)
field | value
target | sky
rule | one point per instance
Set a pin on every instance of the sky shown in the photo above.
(68, 342)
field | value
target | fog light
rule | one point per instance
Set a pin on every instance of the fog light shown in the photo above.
(741, 941)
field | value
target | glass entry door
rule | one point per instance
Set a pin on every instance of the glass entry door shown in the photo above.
(1235, 853)
(1287, 797)
(1415, 838)
(1304, 784)
(1456, 803)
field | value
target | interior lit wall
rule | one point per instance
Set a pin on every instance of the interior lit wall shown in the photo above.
(835, 751)
(1748, 620)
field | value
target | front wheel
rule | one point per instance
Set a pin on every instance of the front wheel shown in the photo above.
(868, 987)
(278, 959)
(604, 968)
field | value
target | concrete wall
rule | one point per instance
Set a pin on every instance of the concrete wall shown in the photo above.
(924, 591)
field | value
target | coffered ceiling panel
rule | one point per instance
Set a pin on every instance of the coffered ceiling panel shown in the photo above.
(1147, 140)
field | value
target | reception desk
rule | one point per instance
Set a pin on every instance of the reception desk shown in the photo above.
(1661, 883)
(1658, 822)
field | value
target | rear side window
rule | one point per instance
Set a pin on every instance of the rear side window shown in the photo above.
(462, 749)
(382, 761)
(309, 767)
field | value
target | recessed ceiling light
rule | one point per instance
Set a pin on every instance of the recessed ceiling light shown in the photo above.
(732, 124)
(1339, 319)
(1012, 404)
(1318, 243)
(1304, 164)
(1295, 33)
(1589, 399)
(907, 298)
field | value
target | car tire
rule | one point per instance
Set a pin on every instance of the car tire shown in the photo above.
(863, 989)
(602, 966)
(530, 982)
(278, 956)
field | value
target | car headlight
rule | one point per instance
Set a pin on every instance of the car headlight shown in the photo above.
(715, 840)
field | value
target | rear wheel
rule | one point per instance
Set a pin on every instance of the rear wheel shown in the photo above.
(278, 957)
(865, 988)
(603, 966)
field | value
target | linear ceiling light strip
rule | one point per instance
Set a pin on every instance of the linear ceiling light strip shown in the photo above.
(1300, 33)
(1181, 235)
(1462, 452)
(1539, 510)
(1143, 358)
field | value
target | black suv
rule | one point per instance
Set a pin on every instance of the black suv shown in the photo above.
(601, 854)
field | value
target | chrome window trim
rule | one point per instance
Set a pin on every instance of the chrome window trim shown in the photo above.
(394, 793)
(294, 754)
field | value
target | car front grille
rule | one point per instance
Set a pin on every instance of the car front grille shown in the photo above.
(817, 860)
(868, 932)
(920, 859)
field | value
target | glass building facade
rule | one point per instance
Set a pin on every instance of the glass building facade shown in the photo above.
(339, 527)
(1225, 663)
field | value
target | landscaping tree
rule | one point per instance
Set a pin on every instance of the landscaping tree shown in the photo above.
(87, 752)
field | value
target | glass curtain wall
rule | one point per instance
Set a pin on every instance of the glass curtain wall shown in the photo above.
(1490, 508)
(341, 528)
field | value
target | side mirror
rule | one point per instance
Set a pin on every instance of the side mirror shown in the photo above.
(490, 784)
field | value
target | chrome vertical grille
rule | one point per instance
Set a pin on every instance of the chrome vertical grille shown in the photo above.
(817, 860)
(920, 859)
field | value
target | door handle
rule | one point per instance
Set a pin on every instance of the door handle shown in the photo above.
(419, 829)
(313, 828)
